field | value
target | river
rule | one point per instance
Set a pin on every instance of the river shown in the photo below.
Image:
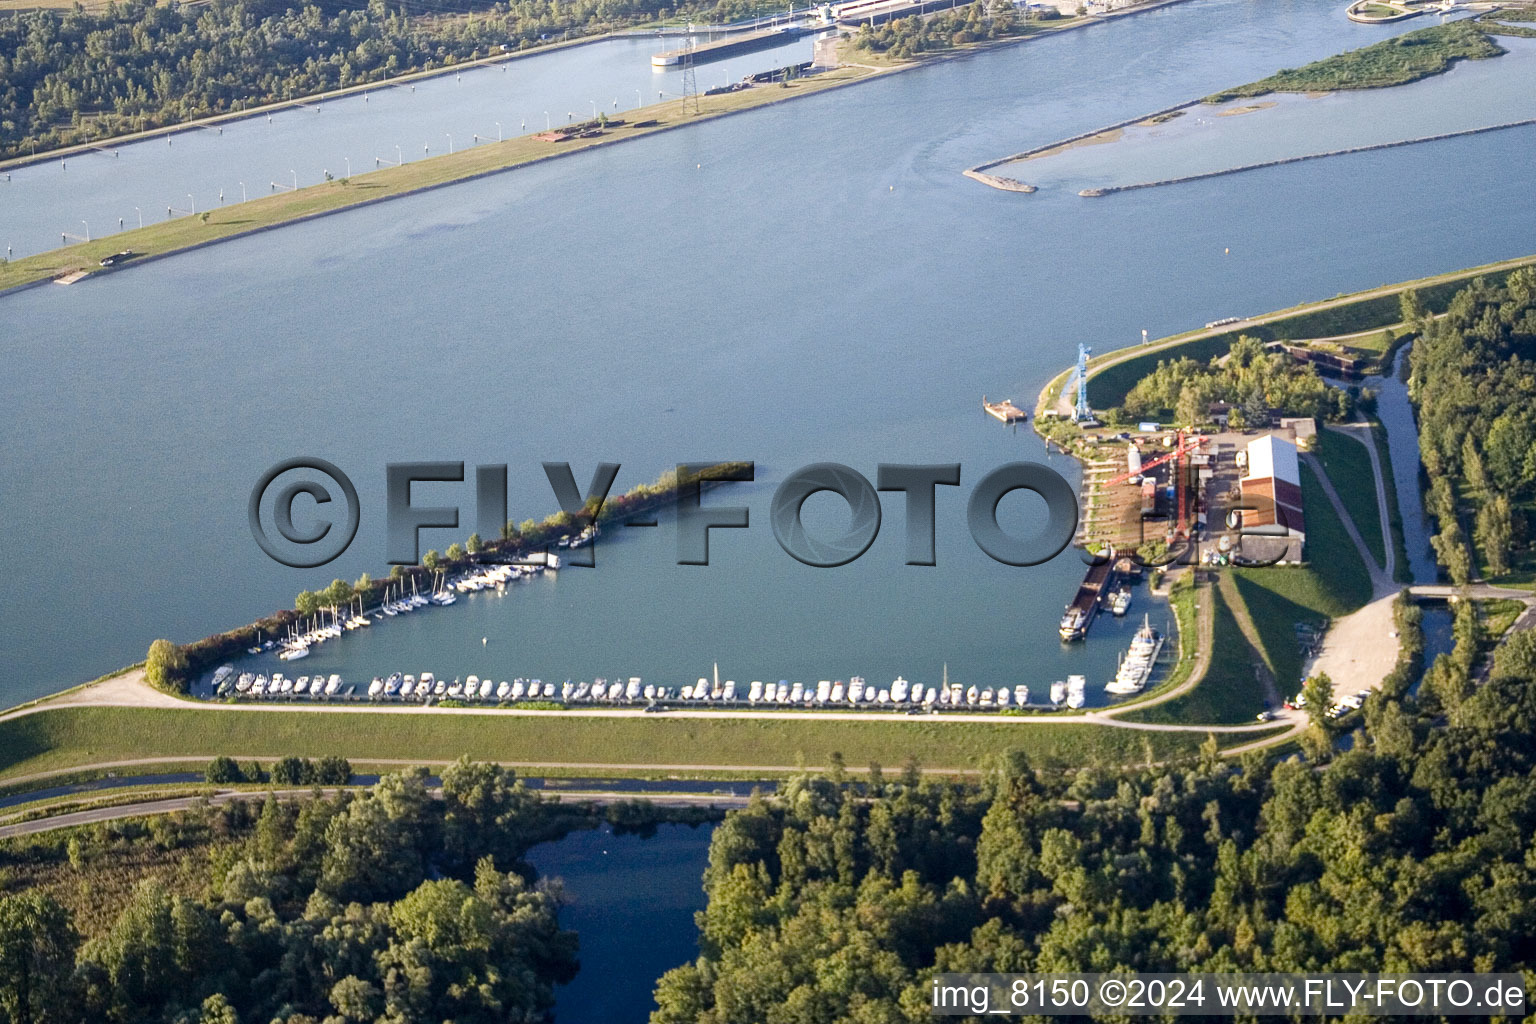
(630, 900)
(809, 282)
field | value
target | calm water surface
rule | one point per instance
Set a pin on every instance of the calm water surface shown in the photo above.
(1205, 138)
(201, 169)
(631, 900)
(811, 282)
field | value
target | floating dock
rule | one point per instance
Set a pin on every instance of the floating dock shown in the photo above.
(1004, 411)
(730, 46)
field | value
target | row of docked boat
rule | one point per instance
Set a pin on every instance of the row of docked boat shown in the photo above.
(253, 684)
(329, 623)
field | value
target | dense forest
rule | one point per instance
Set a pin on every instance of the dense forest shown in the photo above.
(386, 905)
(1409, 852)
(1250, 378)
(69, 76)
(1474, 383)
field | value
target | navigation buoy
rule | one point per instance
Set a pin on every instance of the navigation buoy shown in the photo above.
(482, 641)
(1226, 252)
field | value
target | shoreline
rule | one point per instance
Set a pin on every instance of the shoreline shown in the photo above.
(82, 257)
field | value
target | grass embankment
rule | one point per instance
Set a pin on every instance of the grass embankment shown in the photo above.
(1398, 61)
(1402, 572)
(1333, 583)
(285, 207)
(1348, 465)
(1229, 693)
(1341, 315)
(66, 737)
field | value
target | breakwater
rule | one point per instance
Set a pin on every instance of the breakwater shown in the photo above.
(978, 172)
(1111, 189)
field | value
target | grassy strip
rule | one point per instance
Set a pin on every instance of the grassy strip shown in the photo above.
(1348, 465)
(389, 182)
(1108, 386)
(1332, 584)
(1497, 616)
(1228, 695)
(1398, 61)
(81, 735)
(1401, 571)
(1342, 581)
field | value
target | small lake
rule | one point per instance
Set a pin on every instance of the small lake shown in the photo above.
(631, 899)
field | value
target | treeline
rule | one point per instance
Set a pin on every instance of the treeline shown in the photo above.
(1474, 384)
(906, 37)
(1410, 852)
(288, 771)
(1249, 378)
(380, 905)
(69, 76)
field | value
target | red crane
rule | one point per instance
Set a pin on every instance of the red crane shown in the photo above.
(1184, 446)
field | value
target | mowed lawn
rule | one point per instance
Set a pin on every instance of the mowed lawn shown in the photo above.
(64, 737)
(1333, 583)
(1229, 694)
(1348, 465)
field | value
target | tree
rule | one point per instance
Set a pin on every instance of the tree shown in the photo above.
(473, 545)
(455, 552)
(431, 559)
(217, 1010)
(1411, 307)
(1318, 692)
(1495, 533)
(292, 771)
(333, 771)
(223, 770)
(307, 603)
(37, 960)
(165, 667)
(1509, 443)
(1451, 548)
